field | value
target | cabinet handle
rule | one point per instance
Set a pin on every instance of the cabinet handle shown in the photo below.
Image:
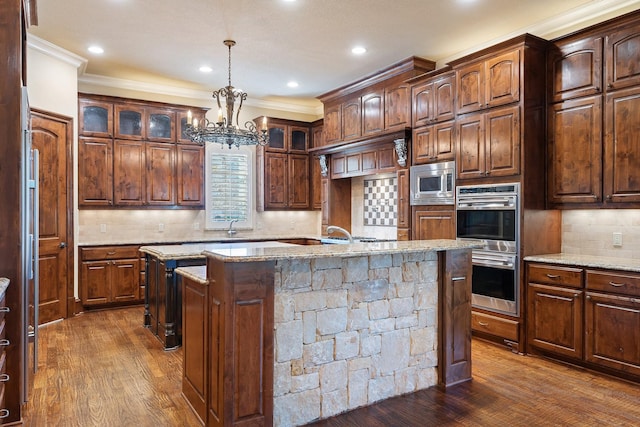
(588, 297)
(4, 378)
(5, 309)
(4, 413)
(4, 343)
(553, 276)
(608, 197)
(483, 323)
(617, 285)
(576, 295)
(111, 253)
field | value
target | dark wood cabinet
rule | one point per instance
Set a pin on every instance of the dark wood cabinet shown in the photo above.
(160, 174)
(368, 160)
(434, 143)
(332, 124)
(433, 100)
(397, 107)
(575, 69)
(575, 151)
(622, 57)
(284, 164)
(142, 166)
(190, 175)
(352, 117)
(489, 143)
(372, 113)
(109, 275)
(95, 172)
(433, 222)
(489, 83)
(404, 208)
(317, 140)
(129, 173)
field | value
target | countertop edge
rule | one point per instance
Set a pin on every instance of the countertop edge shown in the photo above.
(196, 273)
(4, 284)
(609, 263)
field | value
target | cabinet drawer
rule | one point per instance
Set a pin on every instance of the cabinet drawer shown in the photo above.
(493, 325)
(109, 252)
(555, 275)
(616, 282)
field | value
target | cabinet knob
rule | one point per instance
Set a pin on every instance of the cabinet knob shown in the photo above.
(608, 196)
(63, 245)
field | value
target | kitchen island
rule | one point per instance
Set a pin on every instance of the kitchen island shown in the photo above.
(296, 334)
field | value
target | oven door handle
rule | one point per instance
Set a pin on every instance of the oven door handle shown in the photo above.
(486, 203)
(488, 262)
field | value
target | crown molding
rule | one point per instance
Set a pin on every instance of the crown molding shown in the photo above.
(56, 52)
(557, 25)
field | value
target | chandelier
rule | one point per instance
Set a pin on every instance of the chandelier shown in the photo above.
(224, 131)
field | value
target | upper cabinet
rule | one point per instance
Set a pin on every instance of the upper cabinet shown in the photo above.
(593, 155)
(372, 106)
(135, 154)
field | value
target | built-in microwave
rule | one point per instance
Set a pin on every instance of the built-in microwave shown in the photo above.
(432, 184)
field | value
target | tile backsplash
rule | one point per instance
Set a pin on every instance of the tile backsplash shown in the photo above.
(157, 226)
(381, 201)
(590, 232)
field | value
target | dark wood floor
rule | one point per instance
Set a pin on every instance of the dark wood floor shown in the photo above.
(104, 369)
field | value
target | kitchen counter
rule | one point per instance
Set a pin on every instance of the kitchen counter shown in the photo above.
(196, 250)
(308, 332)
(610, 263)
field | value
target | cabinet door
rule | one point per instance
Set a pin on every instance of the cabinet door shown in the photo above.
(444, 98)
(470, 86)
(129, 122)
(182, 120)
(470, 147)
(129, 168)
(96, 118)
(160, 174)
(317, 136)
(502, 142)
(422, 145)
(575, 151)
(160, 125)
(554, 319)
(351, 119)
(444, 141)
(333, 124)
(95, 282)
(324, 195)
(433, 224)
(397, 107)
(623, 58)
(95, 172)
(275, 180)
(190, 175)
(621, 147)
(298, 168)
(422, 104)
(298, 139)
(612, 326)
(125, 280)
(404, 208)
(575, 69)
(372, 113)
(277, 138)
(502, 79)
(316, 179)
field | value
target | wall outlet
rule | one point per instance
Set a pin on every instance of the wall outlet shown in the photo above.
(161, 227)
(103, 228)
(617, 239)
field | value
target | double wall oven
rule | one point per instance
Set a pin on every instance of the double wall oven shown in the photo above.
(490, 215)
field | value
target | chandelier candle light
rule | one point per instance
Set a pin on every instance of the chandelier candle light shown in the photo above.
(223, 131)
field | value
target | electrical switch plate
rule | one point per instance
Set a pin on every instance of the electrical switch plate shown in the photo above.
(161, 227)
(617, 239)
(103, 228)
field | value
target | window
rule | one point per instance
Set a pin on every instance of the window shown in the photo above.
(229, 187)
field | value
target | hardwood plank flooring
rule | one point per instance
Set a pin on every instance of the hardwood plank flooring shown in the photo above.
(104, 369)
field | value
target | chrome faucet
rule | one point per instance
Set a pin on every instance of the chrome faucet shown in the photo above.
(332, 228)
(231, 231)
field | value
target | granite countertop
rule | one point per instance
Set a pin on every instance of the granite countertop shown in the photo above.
(195, 250)
(196, 273)
(611, 263)
(4, 284)
(240, 253)
(237, 239)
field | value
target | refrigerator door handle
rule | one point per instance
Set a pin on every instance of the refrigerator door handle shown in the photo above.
(36, 255)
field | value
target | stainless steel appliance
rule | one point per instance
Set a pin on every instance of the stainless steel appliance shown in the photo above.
(489, 214)
(30, 253)
(432, 184)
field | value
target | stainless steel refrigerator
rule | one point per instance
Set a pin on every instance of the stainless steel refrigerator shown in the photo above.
(30, 240)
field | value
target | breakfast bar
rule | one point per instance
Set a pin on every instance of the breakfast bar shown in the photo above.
(288, 335)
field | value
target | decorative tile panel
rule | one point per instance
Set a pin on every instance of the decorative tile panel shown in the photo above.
(381, 201)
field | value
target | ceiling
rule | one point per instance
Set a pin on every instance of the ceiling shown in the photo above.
(309, 41)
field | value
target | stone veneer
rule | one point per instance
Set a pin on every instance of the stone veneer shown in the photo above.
(352, 331)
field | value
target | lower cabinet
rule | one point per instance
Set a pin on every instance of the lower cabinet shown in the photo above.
(110, 275)
(4, 343)
(588, 316)
(436, 222)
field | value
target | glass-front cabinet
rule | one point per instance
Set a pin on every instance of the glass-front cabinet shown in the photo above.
(129, 121)
(161, 125)
(96, 118)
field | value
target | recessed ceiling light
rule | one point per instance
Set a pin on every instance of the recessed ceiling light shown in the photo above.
(292, 84)
(206, 69)
(358, 50)
(96, 49)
